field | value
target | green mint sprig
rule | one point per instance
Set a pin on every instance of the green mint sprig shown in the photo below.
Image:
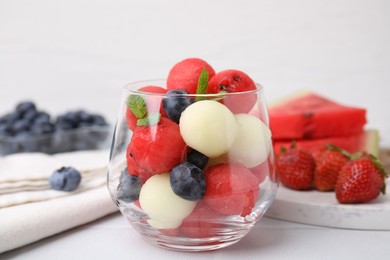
(202, 84)
(137, 106)
(151, 119)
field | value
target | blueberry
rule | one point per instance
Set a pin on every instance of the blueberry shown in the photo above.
(197, 158)
(188, 181)
(25, 106)
(176, 104)
(73, 118)
(5, 130)
(63, 124)
(20, 126)
(99, 120)
(30, 115)
(129, 187)
(42, 128)
(85, 116)
(41, 117)
(65, 179)
(12, 117)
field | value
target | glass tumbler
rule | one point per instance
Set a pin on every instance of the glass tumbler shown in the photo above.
(191, 172)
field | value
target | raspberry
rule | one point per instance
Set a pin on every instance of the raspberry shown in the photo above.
(185, 74)
(157, 148)
(231, 189)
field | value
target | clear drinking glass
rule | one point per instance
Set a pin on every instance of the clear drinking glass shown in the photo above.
(200, 183)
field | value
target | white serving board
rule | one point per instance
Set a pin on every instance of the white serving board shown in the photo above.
(322, 209)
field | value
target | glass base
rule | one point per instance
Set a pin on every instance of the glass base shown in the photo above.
(232, 232)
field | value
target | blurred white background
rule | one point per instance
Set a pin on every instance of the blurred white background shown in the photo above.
(69, 54)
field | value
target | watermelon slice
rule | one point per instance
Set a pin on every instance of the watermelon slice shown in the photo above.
(310, 116)
(367, 141)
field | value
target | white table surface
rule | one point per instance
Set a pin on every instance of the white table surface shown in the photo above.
(74, 54)
(113, 238)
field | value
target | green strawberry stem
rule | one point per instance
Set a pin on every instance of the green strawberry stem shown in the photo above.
(339, 149)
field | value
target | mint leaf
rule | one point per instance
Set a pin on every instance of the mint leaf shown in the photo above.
(151, 119)
(137, 105)
(202, 83)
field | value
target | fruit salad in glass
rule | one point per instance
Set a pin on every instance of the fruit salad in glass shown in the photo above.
(191, 164)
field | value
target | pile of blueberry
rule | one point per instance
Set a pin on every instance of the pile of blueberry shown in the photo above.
(27, 129)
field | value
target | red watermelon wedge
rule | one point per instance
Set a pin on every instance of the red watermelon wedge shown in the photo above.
(367, 141)
(311, 116)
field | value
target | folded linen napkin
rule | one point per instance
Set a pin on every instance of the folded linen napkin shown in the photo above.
(27, 223)
(24, 177)
(30, 210)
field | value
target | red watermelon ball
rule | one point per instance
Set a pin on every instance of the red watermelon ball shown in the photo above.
(133, 167)
(153, 104)
(158, 148)
(185, 74)
(203, 222)
(231, 189)
(233, 81)
(263, 170)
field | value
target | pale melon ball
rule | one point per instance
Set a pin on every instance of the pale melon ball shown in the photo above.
(208, 127)
(253, 141)
(165, 208)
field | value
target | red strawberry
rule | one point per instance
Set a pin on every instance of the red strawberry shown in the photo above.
(157, 148)
(328, 166)
(185, 74)
(202, 222)
(231, 189)
(296, 168)
(232, 81)
(153, 105)
(360, 180)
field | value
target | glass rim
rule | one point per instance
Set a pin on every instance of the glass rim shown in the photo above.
(128, 88)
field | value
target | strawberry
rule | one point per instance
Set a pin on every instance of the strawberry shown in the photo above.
(361, 180)
(295, 167)
(328, 166)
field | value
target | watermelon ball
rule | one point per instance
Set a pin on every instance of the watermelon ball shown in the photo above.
(188, 181)
(233, 81)
(175, 103)
(208, 127)
(134, 169)
(165, 209)
(157, 148)
(253, 141)
(263, 170)
(231, 189)
(185, 74)
(153, 105)
(203, 222)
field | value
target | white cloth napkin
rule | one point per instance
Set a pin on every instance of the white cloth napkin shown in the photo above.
(30, 210)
